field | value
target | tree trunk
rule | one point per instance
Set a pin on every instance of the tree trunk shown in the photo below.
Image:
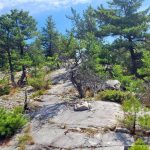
(11, 67)
(77, 85)
(23, 76)
(25, 101)
(133, 60)
(134, 124)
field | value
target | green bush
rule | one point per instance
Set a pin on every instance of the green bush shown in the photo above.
(144, 121)
(10, 122)
(38, 93)
(139, 145)
(114, 96)
(4, 90)
(4, 87)
(38, 83)
(131, 107)
(130, 82)
(4, 81)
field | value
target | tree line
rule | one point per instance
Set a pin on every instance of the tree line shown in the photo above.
(23, 46)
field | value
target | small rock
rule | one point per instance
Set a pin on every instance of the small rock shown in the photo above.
(63, 126)
(38, 100)
(78, 129)
(112, 84)
(82, 106)
(147, 133)
(122, 130)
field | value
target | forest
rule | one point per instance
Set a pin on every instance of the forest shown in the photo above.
(104, 44)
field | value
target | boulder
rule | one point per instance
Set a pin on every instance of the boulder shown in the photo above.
(112, 84)
(82, 106)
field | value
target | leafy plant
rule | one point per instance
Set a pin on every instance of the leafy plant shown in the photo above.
(38, 93)
(114, 96)
(39, 82)
(131, 107)
(24, 140)
(11, 121)
(4, 90)
(144, 121)
(129, 82)
(139, 145)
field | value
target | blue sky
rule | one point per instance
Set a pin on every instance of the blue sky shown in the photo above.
(41, 9)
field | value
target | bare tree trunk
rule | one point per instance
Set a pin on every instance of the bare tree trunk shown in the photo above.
(23, 76)
(77, 85)
(133, 60)
(11, 67)
(134, 124)
(25, 101)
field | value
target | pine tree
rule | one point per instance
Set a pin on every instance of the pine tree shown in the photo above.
(83, 24)
(125, 22)
(49, 37)
(23, 31)
(6, 42)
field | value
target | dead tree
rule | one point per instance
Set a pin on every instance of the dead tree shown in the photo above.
(25, 107)
(84, 79)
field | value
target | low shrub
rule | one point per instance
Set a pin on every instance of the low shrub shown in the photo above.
(131, 108)
(4, 90)
(38, 93)
(139, 145)
(11, 121)
(24, 140)
(114, 95)
(38, 83)
(4, 87)
(144, 121)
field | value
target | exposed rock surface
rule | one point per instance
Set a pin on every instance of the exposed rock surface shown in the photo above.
(55, 125)
(112, 84)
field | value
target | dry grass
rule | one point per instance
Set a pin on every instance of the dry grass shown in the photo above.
(25, 139)
(38, 93)
(90, 131)
(13, 91)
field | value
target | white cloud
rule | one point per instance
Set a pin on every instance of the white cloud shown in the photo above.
(38, 5)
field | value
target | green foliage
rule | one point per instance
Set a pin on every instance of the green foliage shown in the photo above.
(132, 117)
(92, 52)
(114, 96)
(4, 87)
(35, 54)
(81, 25)
(145, 70)
(4, 90)
(132, 105)
(139, 145)
(24, 140)
(49, 37)
(124, 20)
(4, 81)
(38, 93)
(52, 62)
(10, 122)
(130, 82)
(144, 121)
(39, 82)
(128, 121)
(69, 47)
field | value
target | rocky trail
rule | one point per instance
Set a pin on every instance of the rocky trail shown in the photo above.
(57, 126)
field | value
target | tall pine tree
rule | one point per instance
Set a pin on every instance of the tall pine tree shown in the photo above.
(49, 37)
(126, 23)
